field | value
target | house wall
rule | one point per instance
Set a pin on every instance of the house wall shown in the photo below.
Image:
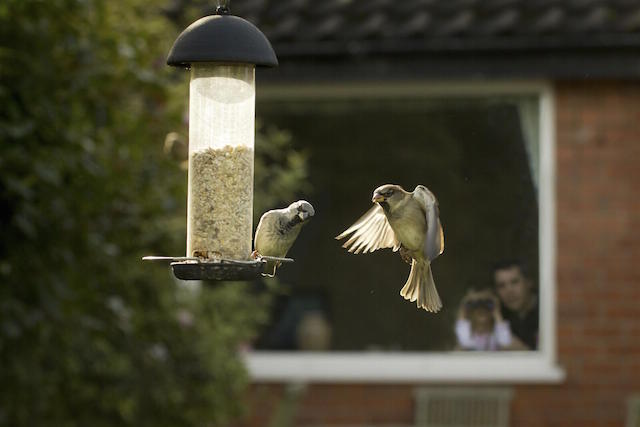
(598, 295)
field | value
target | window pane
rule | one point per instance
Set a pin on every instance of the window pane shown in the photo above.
(479, 156)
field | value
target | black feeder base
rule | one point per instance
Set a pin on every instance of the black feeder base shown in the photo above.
(218, 270)
(191, 268)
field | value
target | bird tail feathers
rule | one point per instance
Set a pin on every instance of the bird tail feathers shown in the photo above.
(420, 287)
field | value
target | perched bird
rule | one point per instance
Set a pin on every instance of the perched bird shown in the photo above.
(409, 222)
(278, 229)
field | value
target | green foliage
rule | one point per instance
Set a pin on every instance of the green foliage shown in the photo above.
(90, 335)
(280, 169)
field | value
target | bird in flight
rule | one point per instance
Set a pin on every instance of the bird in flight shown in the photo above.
(408, 222)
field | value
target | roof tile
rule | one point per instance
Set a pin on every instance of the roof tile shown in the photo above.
(429, 22)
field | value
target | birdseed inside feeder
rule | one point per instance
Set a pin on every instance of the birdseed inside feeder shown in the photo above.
(221, 157)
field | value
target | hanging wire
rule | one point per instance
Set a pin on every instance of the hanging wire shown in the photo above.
(223, 7)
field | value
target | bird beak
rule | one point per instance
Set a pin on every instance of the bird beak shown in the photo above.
(378, 198)
(303, 215)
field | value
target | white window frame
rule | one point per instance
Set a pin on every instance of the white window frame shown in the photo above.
(441, 367)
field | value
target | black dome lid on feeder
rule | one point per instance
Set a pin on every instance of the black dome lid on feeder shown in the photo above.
(222, 38)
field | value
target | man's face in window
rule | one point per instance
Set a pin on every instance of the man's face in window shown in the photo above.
(513, 288)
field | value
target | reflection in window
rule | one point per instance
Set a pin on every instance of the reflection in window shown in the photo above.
(480, 158)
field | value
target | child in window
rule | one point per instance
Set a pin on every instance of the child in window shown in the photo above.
(480, 325)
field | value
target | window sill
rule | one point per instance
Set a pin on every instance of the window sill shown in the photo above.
(451, 367)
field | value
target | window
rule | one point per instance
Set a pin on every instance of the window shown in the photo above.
(486, 151)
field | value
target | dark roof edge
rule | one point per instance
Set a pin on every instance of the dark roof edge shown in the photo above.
(459, 45)
(556, 65)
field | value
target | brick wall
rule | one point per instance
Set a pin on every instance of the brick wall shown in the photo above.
(598, 184)
(598, 218)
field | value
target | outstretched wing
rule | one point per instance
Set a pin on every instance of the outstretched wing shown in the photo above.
(370, 233)
(434, 241)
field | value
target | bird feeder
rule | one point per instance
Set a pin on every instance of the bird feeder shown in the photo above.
(221, 51)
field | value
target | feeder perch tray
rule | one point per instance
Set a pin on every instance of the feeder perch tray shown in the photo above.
(192, 268)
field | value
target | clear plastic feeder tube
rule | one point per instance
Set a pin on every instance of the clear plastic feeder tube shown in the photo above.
(221, 158)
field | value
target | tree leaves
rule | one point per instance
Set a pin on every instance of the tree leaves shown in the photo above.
(90, 335)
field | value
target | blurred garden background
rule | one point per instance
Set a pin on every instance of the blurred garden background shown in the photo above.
(89, 334)
(92, 178)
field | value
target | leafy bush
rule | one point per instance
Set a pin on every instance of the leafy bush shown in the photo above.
(90, 335)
